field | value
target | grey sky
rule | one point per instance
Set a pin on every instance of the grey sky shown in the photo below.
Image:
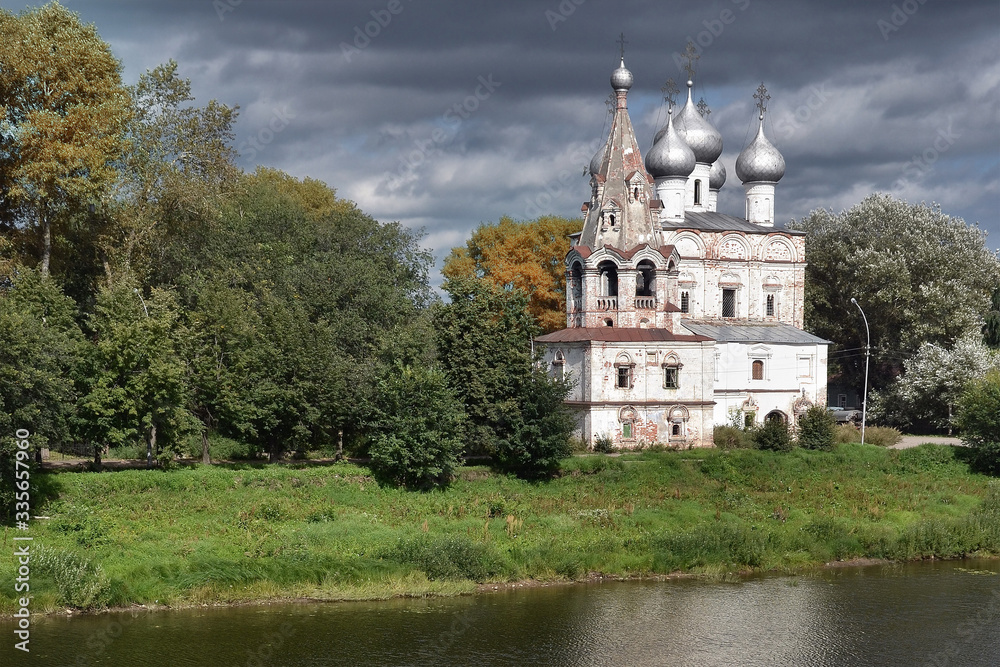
(899, 96)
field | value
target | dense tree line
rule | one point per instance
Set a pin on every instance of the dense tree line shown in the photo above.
(153, 293)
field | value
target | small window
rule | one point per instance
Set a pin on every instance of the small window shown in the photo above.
(624, 377)
(729, 303)
(671, 377)
(842, 401)
(609, 323)
(675, 429)
(685, 302)
(757, 370)
(559, 366)
(769, 308)
(627, 430)
(697, 193)
(748, 419)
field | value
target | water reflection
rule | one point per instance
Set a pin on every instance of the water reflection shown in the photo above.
(915, 614)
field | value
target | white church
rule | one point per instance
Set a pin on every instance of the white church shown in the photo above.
(678, 317)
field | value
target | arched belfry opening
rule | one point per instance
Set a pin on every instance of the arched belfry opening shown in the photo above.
(576, 286)
(608, 272)
(645, 279)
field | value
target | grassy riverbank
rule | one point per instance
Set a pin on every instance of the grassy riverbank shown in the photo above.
(226, 534)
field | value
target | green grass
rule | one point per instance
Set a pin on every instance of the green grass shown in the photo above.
(241, 532)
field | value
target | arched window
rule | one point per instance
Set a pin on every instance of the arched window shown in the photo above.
(697, 192)
(672, 372)
(609, 278)
(645, 279)
(559, 366)
(624, 372)
(757, 370)
(685, 302)
(769, 308)
(576, 293)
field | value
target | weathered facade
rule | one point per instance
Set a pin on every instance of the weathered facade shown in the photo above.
(679, 318)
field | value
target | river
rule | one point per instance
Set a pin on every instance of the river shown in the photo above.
(914, 614)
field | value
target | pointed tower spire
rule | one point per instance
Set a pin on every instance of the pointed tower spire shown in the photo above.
(619, 214)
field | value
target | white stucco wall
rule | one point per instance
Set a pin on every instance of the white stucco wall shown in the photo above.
(790, 371)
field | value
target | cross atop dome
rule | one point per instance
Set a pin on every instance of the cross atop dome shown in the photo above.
(703, 108)
(670, 91)
(621, 44)
(691, 55)
(762, 97)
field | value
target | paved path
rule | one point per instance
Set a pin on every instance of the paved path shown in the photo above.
(914, 440)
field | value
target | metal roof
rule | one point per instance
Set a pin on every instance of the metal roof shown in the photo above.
(616, 335)
(726, 331)
(720, 222)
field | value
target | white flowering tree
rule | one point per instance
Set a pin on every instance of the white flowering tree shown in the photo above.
(932, 383)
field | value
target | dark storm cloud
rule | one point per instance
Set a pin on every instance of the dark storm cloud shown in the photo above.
(386, 100)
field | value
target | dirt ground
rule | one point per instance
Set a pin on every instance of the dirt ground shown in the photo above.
(914, 440)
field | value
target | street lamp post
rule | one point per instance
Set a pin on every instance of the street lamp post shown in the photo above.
(868, 348)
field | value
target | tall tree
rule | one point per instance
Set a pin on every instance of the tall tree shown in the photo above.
(63, 117)
(179, 169)
(515, 412)
(138, 377)
(921, 276)
(39, 359)
(528, 256)
(991, 323)
(296, 306)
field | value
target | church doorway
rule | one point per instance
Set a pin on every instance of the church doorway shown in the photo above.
(776, 415)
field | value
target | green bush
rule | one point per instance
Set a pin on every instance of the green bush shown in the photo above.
(539, 434)
(881, 436)
(979, 421)
(604, 444)
(816, 429)
(448, 557)
(415, 427)
(844, 433)
(220, 448)
(773, 435)
(80, 584)
(730, 437)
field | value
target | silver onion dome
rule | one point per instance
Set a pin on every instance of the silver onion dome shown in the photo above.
(621, 78)
(760, 160)
(700, 135)
(670, 156)
(595, 162)
(717, 176)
